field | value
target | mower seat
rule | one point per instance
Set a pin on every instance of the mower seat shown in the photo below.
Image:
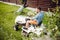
(39, 24)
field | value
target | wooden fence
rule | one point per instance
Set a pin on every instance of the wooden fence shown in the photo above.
(45, 4)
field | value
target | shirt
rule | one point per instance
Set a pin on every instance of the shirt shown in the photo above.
(39, 17)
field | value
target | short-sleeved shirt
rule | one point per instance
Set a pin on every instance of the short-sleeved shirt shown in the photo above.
(39, 17)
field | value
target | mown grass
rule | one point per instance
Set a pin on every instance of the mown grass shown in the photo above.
(7, 18)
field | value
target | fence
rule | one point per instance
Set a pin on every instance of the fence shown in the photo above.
(45, 4)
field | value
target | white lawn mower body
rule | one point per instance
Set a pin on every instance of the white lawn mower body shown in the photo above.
(33, 29)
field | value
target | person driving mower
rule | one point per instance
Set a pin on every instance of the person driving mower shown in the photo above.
(37, 19)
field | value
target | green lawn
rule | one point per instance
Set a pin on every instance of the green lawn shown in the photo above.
(7, 18)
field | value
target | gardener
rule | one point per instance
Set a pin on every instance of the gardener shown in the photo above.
(24, 2)
(37, 19)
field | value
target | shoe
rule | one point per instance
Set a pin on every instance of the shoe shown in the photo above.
(45, 33)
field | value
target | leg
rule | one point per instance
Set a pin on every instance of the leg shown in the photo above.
(31, 22)
(27, 24)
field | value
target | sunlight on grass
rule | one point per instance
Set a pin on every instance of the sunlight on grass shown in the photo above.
(7, 17)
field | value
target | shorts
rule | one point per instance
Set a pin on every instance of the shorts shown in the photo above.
(33, 22)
